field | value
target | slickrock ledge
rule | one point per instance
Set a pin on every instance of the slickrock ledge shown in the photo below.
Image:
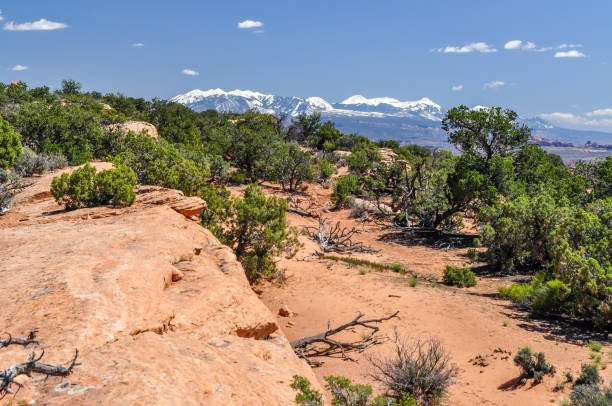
(160, 311)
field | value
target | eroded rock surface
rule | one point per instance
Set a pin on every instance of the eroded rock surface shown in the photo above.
(160, 311)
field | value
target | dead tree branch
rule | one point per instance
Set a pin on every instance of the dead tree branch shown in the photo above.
(7, 377)
(336, 238)
(305, 349)
(30, 339)
(300, 212)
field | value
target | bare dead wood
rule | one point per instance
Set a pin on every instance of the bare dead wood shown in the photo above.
(301, 212)
(29, 339)
(7, 377)
(336, 238)
(305, 348)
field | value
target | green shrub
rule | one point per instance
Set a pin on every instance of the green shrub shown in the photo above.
(590, 395)
(413, 282)
(255, 227)
(10, 145)
(344, 393)
(477, 243)
(472, 254)
(595, 346)
(542, 297)
(325, 169)
(86, 188)
(345, 186)
(237, 178)
(397, 268)
(460, 277)
(533, 365)
(589, 375)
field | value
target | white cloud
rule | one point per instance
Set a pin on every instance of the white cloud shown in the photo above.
(600, 113)
(250, 24)
(518, 44)
(20, 67)
(564, 46)
(569, 54)
(601, 120)
(494, 84)
(515, 44)
(258, 31)
(479, 107)
(457, 88)
(473, 47)
(1, 17)
(40, 25)
(190, 72)
(138, 45)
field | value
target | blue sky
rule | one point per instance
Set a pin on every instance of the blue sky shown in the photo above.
(333, 49)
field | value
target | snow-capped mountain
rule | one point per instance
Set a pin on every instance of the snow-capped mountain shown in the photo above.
(411, 122)
(239, 101)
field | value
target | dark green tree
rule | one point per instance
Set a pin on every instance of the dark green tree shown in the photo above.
(10, 145)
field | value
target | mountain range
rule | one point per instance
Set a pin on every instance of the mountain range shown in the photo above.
(412, 122)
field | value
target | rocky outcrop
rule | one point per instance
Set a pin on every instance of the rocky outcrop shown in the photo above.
(136, 127)
(160, 311)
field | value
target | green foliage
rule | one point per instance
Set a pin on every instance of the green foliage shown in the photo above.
(595, 346)
(306, 396)
(86, 188)
(460, 277)
(413, 282)
(397, 268)
(363, 158)
(589, 375)
(344, 187)
(344, 393)
(325, 137)
(256, 229)
(10, 145)
(70, 86)
(290, 165)
(325, 169)
(472, 254)
(590, 395)
(533, 365)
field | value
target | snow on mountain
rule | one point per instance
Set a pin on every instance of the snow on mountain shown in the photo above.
(355, 106)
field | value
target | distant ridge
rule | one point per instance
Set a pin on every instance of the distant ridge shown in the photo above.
(415, 121)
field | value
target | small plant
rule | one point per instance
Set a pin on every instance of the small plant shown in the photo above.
(363, 262)
(413, 282)
(31, 163)
(595, 346)
(460, 277)
(397, 268)
(472, 254)
(363, 271)
(420, 368)
(533, 365)
(596, 358)
(505, 323)
(477, 243)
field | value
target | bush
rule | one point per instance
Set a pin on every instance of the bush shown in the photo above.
(460, 277)
(589, 375)
(86, 188)
(30, 163)
(255, 227)
(590, 395)
(421, 369)
(542, 297)
(345, 186)
(344, 393)
(472, 254)
(10, 145)
(325, 169)
(533, 366)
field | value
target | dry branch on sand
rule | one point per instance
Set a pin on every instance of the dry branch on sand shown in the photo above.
(336, 238)
(7, 377)
(305, 348)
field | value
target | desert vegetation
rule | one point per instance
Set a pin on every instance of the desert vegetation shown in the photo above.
(532, 215)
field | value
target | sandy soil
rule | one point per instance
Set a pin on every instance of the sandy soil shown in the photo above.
(469, 322)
